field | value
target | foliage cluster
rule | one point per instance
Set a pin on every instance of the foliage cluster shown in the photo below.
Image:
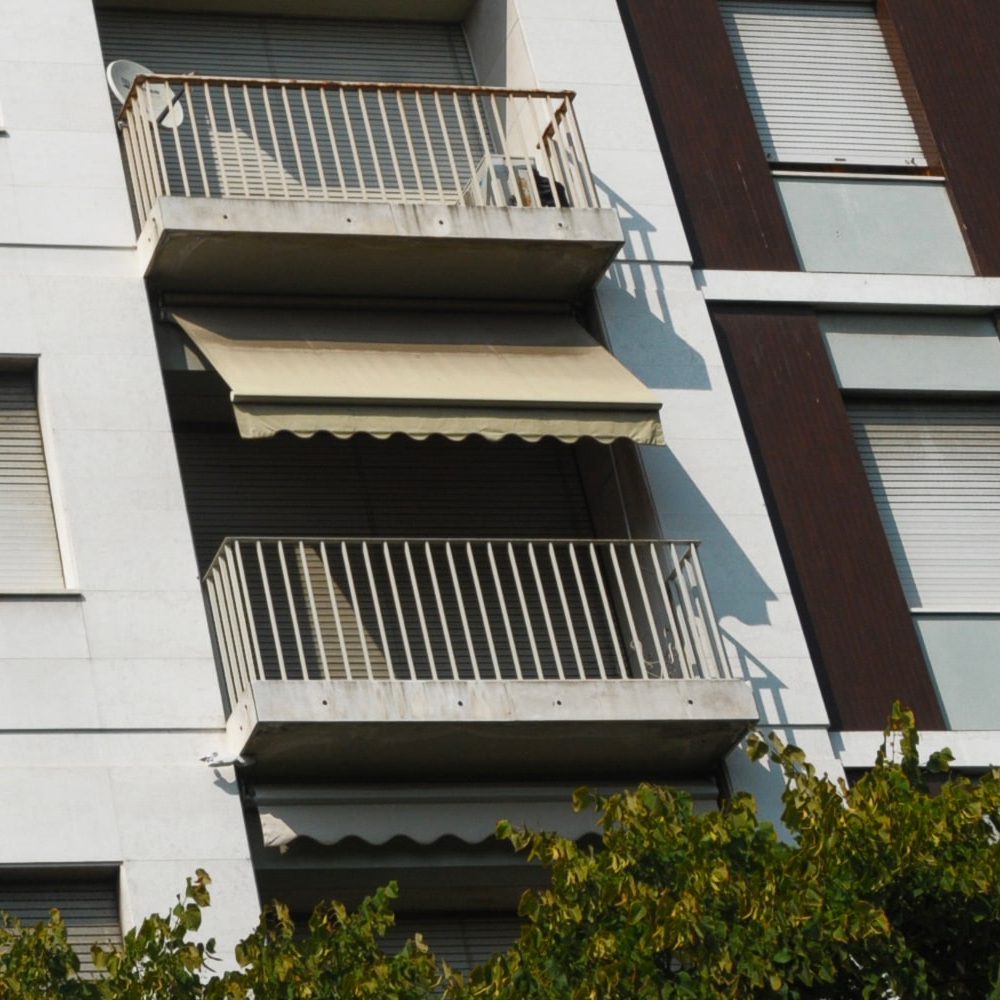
(885, 889)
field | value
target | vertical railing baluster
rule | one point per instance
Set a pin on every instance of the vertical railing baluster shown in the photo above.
(366, 121)
(482, 611)
(585, 604)
(334, 604)
(545, 611)
(420, 610)
(220, 152)
(647, 607)
(161, 174)
(270, 612)
(334, 145)
(278, 158)
(317, 630)
(353, 143)
(570, 624)
(237, 644)
(258, 659)
(463, 132)
(488, 153)
(179, 150)
(294, 136)
(586, 175)
(686, 667)
(255, 139)
(460, 598)
(195, 134)
(502, 138)
(400, 618)
(137, 166)
(400, 104)
(445, 628)
(237, 145)
(320, 172)
(609, 617)
(356, 608)
(242, 611)
(513, 111)
(627, 607)
(418, 97)
(529, 627)
(390, 142)
(503, 610)
(543, 147)
(233, 688)
(557, 145)
(446, 136)
(684, 611)
(722, 662)
(293, 611)
(366, 557)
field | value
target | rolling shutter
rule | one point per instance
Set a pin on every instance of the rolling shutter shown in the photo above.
(242, 158)
(463, 940)
(319, 487)
(934, 470)
(29, 550)
(820, 83)
(88, 907)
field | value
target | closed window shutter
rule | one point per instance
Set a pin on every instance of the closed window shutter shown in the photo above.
(304, 49)
(29, 551)
(821, 84)
(89, 908)
(934, 470)
(463, 940)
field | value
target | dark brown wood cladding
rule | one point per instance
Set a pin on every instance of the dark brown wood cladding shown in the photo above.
(951, 50)
(835, 551)
(721, 178)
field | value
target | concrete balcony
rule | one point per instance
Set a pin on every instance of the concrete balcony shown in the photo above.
(391, 659)
(279, 186)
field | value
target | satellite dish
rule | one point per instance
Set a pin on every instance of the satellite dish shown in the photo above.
(161, 105)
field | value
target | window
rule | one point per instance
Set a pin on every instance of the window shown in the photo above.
(934, 469)
(834, 119)
(821, 83)
(29, 549)
(88, 904)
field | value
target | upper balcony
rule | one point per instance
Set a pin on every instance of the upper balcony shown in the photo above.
(471, 657)
(365, 189)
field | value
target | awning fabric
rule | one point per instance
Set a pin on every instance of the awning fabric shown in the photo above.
(424, 814)
(420, 373)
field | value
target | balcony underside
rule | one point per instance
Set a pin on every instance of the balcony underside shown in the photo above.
(215, 245)
(488, 730)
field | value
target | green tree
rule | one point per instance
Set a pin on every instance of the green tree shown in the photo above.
(885, 889)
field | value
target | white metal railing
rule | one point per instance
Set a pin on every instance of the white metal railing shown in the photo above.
(213, 137)
(298, 609)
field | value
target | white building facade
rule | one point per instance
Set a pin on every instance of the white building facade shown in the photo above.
(362, 417)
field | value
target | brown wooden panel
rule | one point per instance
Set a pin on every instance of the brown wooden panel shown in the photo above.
(721, 178)
(835, 551)
(951, 49)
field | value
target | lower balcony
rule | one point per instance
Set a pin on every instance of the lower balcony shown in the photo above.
(395, 658)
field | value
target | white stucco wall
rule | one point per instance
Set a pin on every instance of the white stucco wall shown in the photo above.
(108, 694)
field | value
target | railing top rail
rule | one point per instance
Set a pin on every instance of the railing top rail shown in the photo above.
(438, 540)
(370, 85)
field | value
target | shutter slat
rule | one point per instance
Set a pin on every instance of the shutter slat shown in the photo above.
(820, 83)
(462, 940)
(29, 549)
(88, 907)
(934, 470)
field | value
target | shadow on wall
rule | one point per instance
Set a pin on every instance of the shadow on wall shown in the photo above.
(652, 349)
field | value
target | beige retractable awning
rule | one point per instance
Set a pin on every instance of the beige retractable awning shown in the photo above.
(420, 373)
